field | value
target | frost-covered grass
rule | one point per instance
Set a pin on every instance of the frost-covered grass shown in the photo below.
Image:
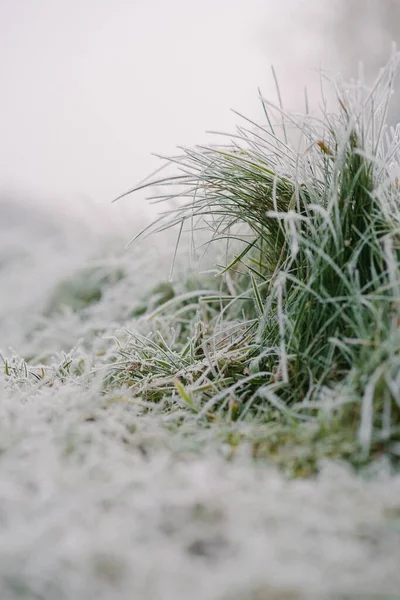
(231, 432)
(305, 324)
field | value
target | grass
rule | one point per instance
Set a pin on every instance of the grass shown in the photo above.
(291, 346)
(305, 326)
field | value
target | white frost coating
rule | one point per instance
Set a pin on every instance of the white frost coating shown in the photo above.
(90, 509)
(97, 502)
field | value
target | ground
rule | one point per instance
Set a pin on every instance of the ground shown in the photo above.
(98, 500)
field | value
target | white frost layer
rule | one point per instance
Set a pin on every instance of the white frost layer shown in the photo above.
(101, 503)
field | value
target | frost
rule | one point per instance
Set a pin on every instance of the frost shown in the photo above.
(100, 500)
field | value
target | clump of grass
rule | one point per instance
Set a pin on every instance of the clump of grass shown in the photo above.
(314, 289)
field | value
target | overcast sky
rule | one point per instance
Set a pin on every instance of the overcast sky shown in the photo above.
(89, 88)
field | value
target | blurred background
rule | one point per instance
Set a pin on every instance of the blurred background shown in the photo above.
(90, 88)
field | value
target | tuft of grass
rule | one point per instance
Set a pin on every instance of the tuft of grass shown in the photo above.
(307, 325)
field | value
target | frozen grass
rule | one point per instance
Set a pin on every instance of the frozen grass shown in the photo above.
(306, 322)
(142, 419)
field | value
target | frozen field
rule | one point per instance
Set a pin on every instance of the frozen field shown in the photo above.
(98, 501)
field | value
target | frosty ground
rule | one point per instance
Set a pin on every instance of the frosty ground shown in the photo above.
(98, 500)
